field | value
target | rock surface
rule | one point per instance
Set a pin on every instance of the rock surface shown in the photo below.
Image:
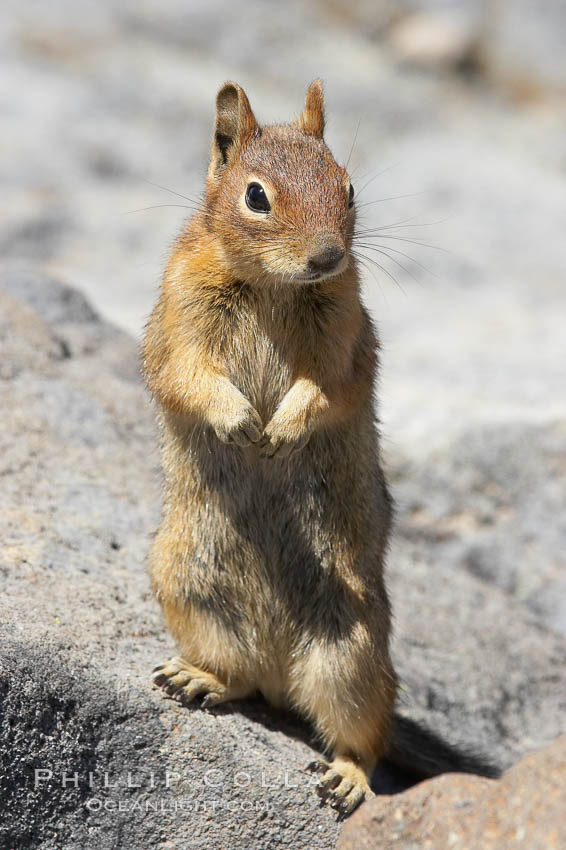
(490, 501)
(522, 811)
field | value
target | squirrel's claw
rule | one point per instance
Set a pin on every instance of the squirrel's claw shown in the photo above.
(317, 766)
(245, 435)
(342, 792)
(281, 448)
(244, 429)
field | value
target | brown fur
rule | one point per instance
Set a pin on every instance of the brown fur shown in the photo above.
(269, 560)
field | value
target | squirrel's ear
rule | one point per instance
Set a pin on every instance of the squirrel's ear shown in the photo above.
(312, 119)
(235, 122)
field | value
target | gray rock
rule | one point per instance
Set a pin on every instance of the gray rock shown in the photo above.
(56, 304)
(491, 502)
(476, 667)
(61, 727)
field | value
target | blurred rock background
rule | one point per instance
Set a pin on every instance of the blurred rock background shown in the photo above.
(453, 114)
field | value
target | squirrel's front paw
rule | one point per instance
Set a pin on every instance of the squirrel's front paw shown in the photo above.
(280, 442)
(242, 427)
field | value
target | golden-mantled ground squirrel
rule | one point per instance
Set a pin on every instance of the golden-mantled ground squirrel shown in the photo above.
(262, 359)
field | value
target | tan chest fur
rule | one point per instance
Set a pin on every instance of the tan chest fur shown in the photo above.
(279, 335)
(259, 361)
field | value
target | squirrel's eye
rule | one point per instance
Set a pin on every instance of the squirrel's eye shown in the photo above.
(256, 199)
(351, 196)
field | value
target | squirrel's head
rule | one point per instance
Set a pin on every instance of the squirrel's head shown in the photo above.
(276, 198)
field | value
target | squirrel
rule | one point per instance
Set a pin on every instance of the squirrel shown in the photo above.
(262, 359)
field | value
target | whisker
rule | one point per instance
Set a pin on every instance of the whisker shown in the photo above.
(353, 143)
(375, 176)
(398, 225)
(397, 262)
(392, 198)
(417, 223)
(407, 256)
(363, 260)
(173, 192)
(386, 271)
(399, 239)
(160, 206)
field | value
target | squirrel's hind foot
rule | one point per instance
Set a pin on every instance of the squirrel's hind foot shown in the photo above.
(343, 784)
(180, 679)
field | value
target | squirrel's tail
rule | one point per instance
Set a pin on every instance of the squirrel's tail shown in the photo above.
(423, 754)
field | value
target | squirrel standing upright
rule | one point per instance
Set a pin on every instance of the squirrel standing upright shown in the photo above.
(269, 560)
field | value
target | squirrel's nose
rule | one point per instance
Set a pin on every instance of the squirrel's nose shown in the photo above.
(327, 259)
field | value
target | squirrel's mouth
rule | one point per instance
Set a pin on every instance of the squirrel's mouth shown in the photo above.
(313, 277)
